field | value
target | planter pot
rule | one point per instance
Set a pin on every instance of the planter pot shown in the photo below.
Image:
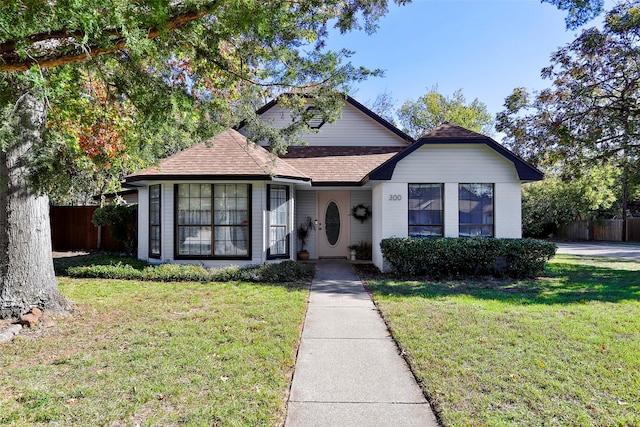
(352, 254)
(303, 255)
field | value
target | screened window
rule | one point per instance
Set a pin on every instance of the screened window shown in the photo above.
(278, 197)
(213, 220)
(154, 221)
(475, 203)
(425, 210)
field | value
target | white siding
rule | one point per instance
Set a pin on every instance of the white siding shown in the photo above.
(306, 207)
(508, 210)
(167, 232)
(352, 128)
(464, 163)
(143, 223)
(376, 226)
(390, 204)
(360, 231)
(451, 216)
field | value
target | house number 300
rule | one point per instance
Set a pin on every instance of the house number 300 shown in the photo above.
(395, 197)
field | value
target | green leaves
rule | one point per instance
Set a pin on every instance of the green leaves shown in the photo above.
(131, 82)
(451, 257)
(432, 109)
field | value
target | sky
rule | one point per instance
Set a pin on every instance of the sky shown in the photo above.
(484, 47)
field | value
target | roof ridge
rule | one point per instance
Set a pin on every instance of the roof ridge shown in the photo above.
(244, 146)
(276, 159)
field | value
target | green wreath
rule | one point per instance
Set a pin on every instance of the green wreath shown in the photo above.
(361, 213)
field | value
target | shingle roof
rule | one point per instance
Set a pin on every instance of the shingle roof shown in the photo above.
(227, 155)
(450, 131)
(328, 165)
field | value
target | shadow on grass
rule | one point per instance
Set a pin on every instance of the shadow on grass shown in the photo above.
(563, 283)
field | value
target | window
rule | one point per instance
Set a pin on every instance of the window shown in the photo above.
(277, 199)
(425, 210)
(154, 221)
(213, 220)
(475, 203)
(315, 119)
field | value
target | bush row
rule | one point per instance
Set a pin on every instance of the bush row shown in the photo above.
(455, 257)
(286, 271)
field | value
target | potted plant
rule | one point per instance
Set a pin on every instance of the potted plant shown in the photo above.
(352, 252)
(303, 234)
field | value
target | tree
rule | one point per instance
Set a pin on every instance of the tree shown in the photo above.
(553, 202)
(123, 224)
(579, 12)
(124, 80)
(432, 109)
(591, 113)
(384, 106)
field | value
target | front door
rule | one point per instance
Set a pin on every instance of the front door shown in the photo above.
(333, 224)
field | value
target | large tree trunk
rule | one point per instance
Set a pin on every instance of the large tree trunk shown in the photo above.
(27, 278)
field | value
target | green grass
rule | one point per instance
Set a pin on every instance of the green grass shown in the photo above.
(157, 354)
(560, 350)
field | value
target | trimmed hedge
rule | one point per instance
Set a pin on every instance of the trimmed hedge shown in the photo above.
(286, 271)
(455, 257)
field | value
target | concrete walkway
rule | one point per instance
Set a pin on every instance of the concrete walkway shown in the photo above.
(348, 371)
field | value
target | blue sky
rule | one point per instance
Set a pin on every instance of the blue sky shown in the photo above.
(484, 47)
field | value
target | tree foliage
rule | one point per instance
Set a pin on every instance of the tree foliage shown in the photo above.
(591, 112)
(553, 202)
(432, 109)
(123, 224)
(130, 82)
(579, 12)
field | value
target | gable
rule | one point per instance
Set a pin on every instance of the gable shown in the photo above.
(455, 136)
(357, 126)
(454, 163)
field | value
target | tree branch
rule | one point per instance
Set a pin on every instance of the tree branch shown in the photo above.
(7, 49)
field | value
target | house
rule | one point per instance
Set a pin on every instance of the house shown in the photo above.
(228, 201)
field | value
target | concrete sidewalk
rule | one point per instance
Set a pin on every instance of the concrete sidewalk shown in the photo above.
(348, 371)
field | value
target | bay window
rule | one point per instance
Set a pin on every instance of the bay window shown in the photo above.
(213, 220)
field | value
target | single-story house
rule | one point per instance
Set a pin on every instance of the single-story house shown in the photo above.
(228, 201)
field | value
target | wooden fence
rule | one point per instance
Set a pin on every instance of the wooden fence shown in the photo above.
(71, 229)
(609, 230)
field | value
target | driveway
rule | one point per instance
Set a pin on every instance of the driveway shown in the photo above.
(604, 249)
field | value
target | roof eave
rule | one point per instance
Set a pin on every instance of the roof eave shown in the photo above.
(526, 172)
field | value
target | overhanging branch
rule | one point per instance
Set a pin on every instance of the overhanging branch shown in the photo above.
(9, 62)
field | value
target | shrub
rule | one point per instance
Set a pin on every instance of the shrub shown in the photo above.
(123, 224)
(451, 257)
(287, 271)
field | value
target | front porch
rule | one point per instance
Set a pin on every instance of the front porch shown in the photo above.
(334, 226)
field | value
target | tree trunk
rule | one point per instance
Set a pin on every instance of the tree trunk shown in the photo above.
(27, 278)
(625, 203)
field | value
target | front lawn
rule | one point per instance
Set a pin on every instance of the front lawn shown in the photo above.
(153, 353)
(560, 350)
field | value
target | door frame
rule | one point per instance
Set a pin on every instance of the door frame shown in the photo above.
(342, 199)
